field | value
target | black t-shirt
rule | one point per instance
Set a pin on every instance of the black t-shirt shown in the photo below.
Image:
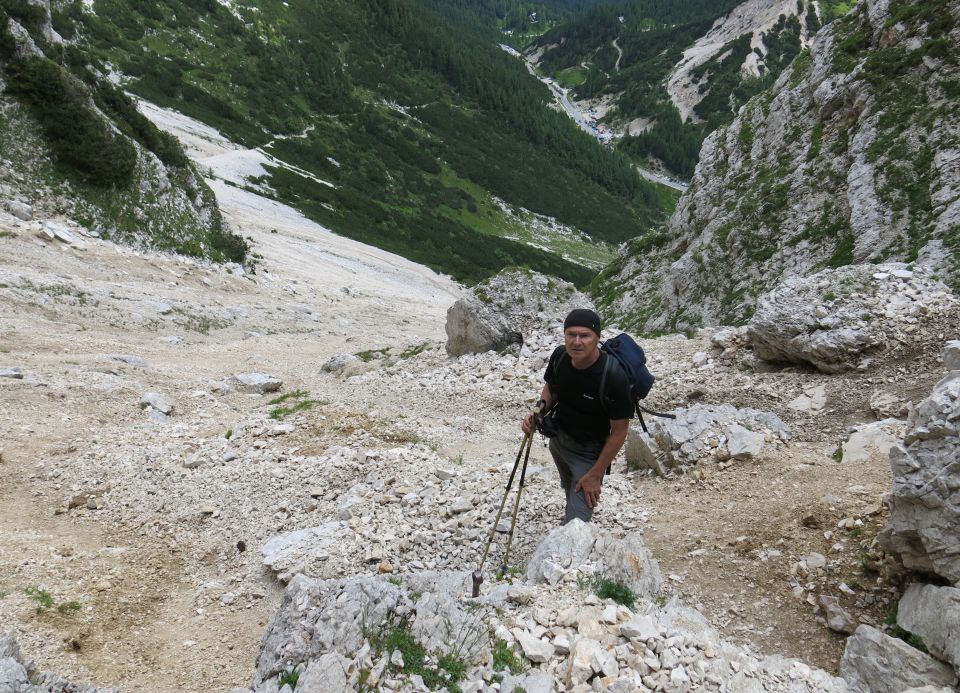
(580, 411)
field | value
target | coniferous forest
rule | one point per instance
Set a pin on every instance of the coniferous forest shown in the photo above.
(425, 129)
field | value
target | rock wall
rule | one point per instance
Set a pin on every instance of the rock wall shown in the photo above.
(924, 526)
(853, 156)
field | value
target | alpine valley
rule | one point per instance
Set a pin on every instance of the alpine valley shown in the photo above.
(279, 279)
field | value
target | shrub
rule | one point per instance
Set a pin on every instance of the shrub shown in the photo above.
(79, 137)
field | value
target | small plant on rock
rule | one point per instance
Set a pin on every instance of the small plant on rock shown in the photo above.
(505, 658)
(606, 588)
(288, 677)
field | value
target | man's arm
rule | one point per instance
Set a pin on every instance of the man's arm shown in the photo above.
(590, 482)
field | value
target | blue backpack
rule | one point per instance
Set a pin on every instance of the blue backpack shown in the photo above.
(633, 361)
(630, 357)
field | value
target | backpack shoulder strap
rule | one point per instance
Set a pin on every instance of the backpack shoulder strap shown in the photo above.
(603, 381)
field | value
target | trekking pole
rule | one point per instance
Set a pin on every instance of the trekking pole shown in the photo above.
(516, 506)
(524, 444)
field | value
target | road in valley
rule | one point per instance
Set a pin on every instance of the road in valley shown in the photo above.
(588, 124)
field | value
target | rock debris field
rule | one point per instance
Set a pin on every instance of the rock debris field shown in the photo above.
(215, 479)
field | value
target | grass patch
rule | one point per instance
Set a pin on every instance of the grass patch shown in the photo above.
(199, 323)
(437, 670)
(410, 352)
(45, 601)
(606, 588)
(371, 354)
(298, 400)
(7, 234)
(288, 678)
(296, 394)
(505, 658)
(572, 76)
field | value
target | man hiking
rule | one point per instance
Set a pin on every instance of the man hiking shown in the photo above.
(592, 425)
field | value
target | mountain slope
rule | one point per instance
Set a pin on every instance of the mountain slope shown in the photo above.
(420, 128)
(77, 146)
(850, 158)
(667, 74)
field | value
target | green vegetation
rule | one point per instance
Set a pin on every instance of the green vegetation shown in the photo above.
(443, 670)
(572, 76)
(896, 631)
(80, 139)
(288, 677)
(299, 401)
(653, 36)
(88, 128)
(504, 658)
(606, 588)
(45, 601)
(407, 108)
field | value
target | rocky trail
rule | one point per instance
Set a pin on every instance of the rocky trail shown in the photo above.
(161, 502)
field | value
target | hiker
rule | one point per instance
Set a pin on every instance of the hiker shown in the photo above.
(591, 428)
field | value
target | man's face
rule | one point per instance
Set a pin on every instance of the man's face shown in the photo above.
(580, 341)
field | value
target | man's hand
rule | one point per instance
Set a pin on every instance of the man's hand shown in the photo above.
(528, 425)
(590, 485)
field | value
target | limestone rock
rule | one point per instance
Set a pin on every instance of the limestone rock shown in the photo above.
(887, 405)
(326, 674)
(339, 362)
(294, 552)
(530, 683)
(256, 383)
(576, 543)
(924, 525)
(838, 619)
(12, 373)
(20, 210)
(680, 442)
(874, 662)
(864, 309)
(951, 355)
(501, 310)
(59, 232)
(933, 613)
(534, 649)
(17, 675)
(155, 400)
(472, 327)
(871, 441)
(320, 618)
(799, 181)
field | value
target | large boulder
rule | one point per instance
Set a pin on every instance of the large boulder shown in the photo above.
(874, 662)
(838, 319)
(499, 311)
(717, 432)
(579, 543)
(324, 624)
(924, 525)
(933, 613)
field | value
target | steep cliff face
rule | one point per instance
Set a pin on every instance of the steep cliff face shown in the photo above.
(853, 156)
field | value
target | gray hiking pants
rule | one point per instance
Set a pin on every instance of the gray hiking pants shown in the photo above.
(573, 460)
